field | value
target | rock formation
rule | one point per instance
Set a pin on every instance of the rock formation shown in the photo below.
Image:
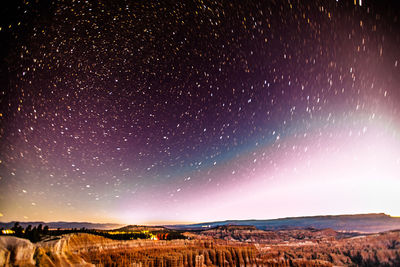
(313, 248)
(16, 251)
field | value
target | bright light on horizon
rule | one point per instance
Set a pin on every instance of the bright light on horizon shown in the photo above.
(360, 177)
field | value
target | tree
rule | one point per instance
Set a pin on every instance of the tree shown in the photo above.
(28, 232)
(17, 229)
(46, 230)
(35, 237)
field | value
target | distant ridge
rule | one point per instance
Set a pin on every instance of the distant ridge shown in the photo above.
(64, 225)
(141, 228)
(368, 223)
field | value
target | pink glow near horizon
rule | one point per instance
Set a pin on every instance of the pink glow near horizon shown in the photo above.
(350, 172)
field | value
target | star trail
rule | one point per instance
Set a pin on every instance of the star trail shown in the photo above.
(116, 111)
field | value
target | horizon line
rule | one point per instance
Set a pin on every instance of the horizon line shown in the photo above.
(167, 223)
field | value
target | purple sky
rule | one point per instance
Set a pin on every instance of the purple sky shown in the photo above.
(149, 113)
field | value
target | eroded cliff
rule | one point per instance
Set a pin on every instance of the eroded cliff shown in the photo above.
(91, 250)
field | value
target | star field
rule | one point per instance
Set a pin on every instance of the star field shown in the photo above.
(121, 111)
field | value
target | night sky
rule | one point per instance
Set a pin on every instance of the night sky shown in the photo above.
(115, 111)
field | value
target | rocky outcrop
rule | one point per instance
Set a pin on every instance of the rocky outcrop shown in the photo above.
(21, 252)
(197, 253)
(16, 251)
(251, 234)
(372, 250)
(91, 250)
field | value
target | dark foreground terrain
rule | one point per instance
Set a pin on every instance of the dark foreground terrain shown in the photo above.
(221, 246)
